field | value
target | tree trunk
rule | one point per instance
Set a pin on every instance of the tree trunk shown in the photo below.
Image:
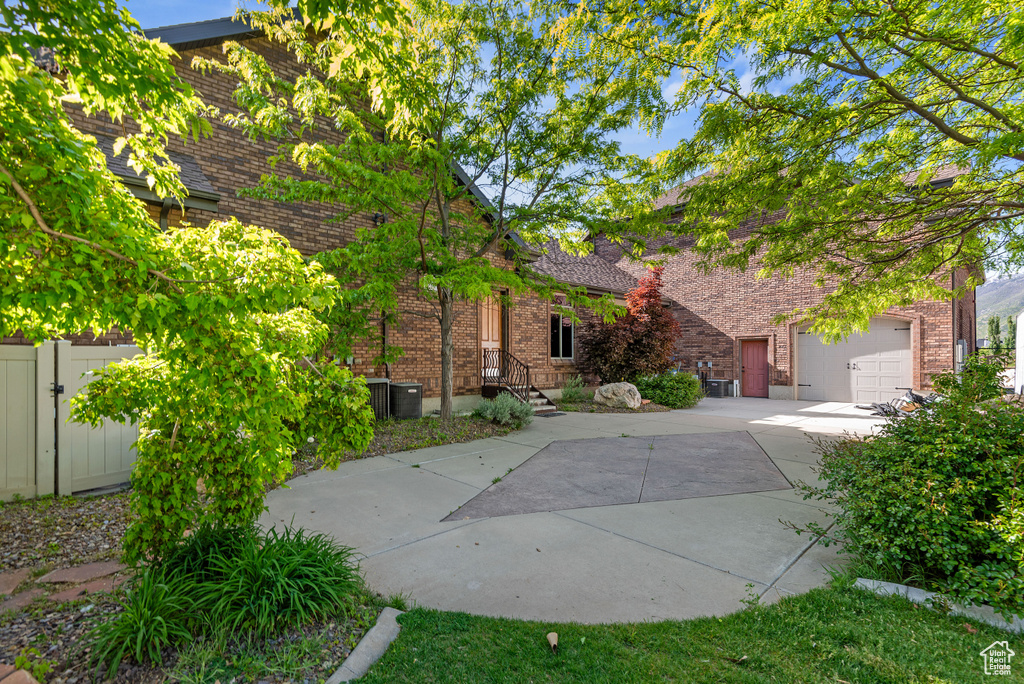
(447, 302)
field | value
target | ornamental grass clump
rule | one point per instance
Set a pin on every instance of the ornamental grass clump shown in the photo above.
(228, 581)
(934, 498)
(505, 409)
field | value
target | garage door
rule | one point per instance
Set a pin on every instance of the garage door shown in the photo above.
(874, 367)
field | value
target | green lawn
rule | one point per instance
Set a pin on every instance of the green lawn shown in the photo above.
(828, 635)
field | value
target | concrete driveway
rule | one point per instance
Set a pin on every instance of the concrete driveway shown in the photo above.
(630, 562)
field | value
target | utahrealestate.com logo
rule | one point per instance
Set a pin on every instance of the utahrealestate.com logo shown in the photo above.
(997, 658)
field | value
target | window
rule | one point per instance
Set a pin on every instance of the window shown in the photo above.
(562, 333)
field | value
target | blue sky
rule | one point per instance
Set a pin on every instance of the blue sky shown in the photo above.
(154, 13)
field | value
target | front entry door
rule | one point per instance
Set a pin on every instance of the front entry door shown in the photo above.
(490, 332)
(755, 368)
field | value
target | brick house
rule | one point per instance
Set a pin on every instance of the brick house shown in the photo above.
(726, 317)
(214, 168)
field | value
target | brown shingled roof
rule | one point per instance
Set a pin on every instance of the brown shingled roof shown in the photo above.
(192, 177)
(590, 271)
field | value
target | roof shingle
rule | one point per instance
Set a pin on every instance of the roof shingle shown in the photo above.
(192, 177)
(590, 271)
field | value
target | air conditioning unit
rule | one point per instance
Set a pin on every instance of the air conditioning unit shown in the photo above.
(379, 397)
(406, 400)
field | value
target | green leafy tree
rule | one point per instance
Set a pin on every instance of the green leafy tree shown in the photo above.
(1011, 332)
(848, 117)
(421, 105)
(224, 310)
(995, 335)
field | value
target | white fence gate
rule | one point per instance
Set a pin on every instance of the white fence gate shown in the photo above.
(41, 452)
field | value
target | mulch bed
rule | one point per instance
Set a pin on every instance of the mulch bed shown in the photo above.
(392, 436)
(58, 633)
(47, 534)
(593, 407)
(59, 533)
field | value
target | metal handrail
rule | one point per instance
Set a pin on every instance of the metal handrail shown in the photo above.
(502, 369)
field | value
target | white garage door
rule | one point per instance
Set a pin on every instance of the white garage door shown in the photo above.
(874, 367)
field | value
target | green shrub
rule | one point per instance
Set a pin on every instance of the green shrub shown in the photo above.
(934, 496)
(337, 414)
(572, 390)
(677, 390)
(227, 581)
(505, 409)
(158, 613)
(277, 581)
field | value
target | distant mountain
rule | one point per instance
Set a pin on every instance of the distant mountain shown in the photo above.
(999, 297)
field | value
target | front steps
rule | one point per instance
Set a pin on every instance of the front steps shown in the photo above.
(538, 400)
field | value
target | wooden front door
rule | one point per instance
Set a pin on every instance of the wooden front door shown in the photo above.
(490, 332)
(755, 368)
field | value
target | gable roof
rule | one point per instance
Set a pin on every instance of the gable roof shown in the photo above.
(202, 33)
(201, 193)
(590, 271)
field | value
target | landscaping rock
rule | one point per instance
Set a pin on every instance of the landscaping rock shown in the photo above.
(105, 584)
(19, 677)
(618, 395)
(19, 601)
(83, 573)
(9, 581)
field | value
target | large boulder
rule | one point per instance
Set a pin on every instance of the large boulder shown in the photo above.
(618, 395)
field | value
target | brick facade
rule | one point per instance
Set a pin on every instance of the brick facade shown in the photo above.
(717, 311)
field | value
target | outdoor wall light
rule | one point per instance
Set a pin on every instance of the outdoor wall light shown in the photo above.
(380, 219)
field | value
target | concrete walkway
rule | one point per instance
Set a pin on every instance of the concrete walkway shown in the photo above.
(640, 561)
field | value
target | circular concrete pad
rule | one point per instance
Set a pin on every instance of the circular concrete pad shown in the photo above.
(584, 473)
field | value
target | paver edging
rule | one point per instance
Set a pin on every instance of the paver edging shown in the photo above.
(370, 648)
(980, 613)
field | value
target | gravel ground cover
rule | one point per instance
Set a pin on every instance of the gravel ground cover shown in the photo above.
(53, 639)
(52, 533)
(61, 532)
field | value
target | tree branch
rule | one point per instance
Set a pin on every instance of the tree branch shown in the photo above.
(34, 210)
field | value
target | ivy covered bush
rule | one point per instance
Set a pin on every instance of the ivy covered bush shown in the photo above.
(934, 498)
(505, 409)
(675, 390)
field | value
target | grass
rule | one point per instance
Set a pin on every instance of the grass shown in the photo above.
(836, 634)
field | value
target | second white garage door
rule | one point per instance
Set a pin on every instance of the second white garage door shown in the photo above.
(874, 367)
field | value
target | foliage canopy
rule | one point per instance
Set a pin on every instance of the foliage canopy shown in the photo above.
(224, 310)
(890, 133)
(638, 344)
(461, 132)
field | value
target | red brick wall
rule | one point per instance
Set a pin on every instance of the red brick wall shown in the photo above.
(720, 309)
(231, 161)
